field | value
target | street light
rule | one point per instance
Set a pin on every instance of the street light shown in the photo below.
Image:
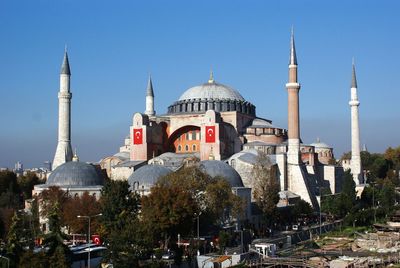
(89, 217)
(320, 213)
(373, 201)
(241, 237)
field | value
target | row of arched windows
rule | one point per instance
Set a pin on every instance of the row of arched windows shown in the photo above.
(194, 147)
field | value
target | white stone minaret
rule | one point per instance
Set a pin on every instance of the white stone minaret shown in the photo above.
(64, 149)
(356, 169)
(293, 88)
(150, 99)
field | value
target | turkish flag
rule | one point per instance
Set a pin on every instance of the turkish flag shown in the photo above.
(96, 239)
(210, 134)
(137, 136)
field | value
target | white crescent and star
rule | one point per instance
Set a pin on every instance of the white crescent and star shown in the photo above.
(137, 134)
(210, 132)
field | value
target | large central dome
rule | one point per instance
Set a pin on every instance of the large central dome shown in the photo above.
(211, 96)
(211, 90)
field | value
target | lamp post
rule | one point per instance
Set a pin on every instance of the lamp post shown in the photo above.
(89, 217)
(320, 212)
(241, 237)
(373, 201)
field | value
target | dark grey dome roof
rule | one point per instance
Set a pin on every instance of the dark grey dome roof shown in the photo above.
(211, 91)
(148, 175)
(75, 174)
(218, 168)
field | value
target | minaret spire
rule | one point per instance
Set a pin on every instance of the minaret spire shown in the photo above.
(293, 58)
(150, 98)
(65, 65)
(353, 76)
(356, 168)
(149, 91)
(293, 88)
(64, 150)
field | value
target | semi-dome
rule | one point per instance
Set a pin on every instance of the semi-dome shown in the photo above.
(216, 168)
(72, 174)
(147, 176)
(211, 90)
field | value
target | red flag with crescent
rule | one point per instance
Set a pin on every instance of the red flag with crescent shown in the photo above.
(137, 136)
(96, 239)
(210, 134)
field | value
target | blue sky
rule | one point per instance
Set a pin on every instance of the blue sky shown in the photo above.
(114, 45)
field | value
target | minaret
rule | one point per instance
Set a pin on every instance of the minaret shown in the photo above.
(293, 88)
(150, 99)
(355, 132)
(64, 149)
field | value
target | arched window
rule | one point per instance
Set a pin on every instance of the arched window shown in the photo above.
(194, 147)
(186, 148)
(179, 148)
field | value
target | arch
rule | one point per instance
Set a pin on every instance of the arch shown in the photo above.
(177, 145)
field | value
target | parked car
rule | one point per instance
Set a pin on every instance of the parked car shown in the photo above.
(169, 255)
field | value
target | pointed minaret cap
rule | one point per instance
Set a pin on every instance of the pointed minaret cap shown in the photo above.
(211, 79)
(65, 65)
(293, 58)
(149, 91)
(353, 76)
(75, 158)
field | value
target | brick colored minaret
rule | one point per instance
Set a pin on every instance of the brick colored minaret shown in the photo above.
(64, 149)
(293, 88)
(356, 169)
(150, 99)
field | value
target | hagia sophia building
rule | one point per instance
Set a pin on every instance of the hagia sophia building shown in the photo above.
(211, 125)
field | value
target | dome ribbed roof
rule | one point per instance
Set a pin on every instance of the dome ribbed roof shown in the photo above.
(148, 175)
(216, 168)
(211, 90)
(75, 174)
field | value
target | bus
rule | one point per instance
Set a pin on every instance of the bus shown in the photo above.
(80, 255)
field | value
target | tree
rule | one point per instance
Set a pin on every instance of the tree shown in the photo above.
(6, 215)
(8, 182)
(214, 198)
(387, 196)
(168, 210)
(266, 190)
(379, 168)
(53, 199)
(346, 200)
(14, 239)
(9, 190)
(220, 202)
(27, 182)
(121, 227)
(59, 258)
(81, 205)
(55, 238)
(37, 260)
(302, 208)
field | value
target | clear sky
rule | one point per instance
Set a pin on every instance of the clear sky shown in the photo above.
(114, 45)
